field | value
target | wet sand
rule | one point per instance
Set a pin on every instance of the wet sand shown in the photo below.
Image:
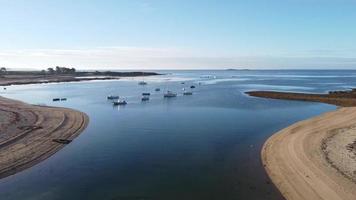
(27, 133)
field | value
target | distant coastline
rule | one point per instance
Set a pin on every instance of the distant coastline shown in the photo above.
(37, 77)
(314, 158)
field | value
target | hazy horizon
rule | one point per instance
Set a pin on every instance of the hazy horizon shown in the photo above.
(149, 35)
(173, 69)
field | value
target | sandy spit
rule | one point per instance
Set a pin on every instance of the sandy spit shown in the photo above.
(27, 131)
(310, 160)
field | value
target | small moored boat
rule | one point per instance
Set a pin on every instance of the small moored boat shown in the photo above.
(188, 93)
(145, 98)
(142, 83)
(169, 94)
(157, 89)
(111, 97)
(192, 86)
(120, 102)
(146, 94)
(62, 141)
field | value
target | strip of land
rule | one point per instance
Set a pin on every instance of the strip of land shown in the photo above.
(35, 77)
(339, 98)
(28, 133)
(314, 158)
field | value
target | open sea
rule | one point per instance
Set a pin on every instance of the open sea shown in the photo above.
(200, 147)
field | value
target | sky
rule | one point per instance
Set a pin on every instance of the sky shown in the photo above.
(178, 34)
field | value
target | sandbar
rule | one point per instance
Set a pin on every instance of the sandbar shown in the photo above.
(27, 133)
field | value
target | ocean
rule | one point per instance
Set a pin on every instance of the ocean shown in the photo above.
(201, 146)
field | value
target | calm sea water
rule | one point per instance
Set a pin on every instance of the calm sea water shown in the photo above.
(204, 146)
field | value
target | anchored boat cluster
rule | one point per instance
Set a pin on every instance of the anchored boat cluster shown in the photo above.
(117, 101)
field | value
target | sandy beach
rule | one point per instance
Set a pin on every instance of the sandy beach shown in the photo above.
(27, 133)
(315, 158)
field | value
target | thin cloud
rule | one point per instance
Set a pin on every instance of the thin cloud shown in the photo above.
(162, 58)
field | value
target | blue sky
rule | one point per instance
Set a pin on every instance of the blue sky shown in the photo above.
(156, 34)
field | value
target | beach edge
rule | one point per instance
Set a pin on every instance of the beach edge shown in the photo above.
(293, 160)
(72, 125)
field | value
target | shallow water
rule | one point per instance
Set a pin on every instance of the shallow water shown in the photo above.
(204, 146)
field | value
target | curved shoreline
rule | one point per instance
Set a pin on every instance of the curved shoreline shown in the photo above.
(295, 161)
(27, 133)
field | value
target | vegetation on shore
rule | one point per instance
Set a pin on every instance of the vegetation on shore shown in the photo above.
(61, 74)
(73, 72)
(338, 98)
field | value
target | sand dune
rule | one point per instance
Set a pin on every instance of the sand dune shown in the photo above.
(310, 160)
(27, 131)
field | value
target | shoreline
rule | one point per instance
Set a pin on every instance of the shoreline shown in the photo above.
(314, 158)
(27, 133)
(24, 78)
(43, 81)
(339, 98)
(295, 161)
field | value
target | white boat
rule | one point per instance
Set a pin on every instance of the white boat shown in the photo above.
(112, 97)
(142, 83)
(145, 98)
(120, 102)
(169, 94)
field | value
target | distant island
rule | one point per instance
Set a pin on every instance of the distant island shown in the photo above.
(232, 69)
(61, 74)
